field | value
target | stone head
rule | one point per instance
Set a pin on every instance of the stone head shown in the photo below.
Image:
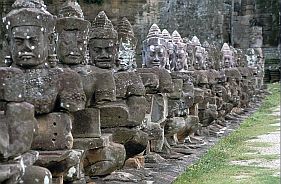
(208, 58)
(127, 45)
(256, 38)
(190, 49)
(28, 32)
(199, 63)
(241, 58)
(170, 49)
(154, 49)
(252, 59)
(180, 51)
(234, 53)
(227, 57)
(103, 42)
(73, 33)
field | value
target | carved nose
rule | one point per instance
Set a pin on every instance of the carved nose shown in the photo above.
(27, 45)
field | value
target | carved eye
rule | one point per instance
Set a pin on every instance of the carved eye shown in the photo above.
(19, 41)
(97, 50)
(152, 54)
(34, 41)
(160, 54)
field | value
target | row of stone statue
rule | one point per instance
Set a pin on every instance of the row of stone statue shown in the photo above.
(74, 105)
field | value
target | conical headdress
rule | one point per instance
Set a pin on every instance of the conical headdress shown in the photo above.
(102, 28)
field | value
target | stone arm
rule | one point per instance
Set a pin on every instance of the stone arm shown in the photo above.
(17, 129)
(105, 87)
(136, 87)
(6, 93)
(161, 77)
(71, 95)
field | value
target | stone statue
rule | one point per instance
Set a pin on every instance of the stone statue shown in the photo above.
(52, 91)
(171, 63)
(154, 49)
(190, 53)
(180, 52)
(199, 63)
(127, 46)
(157, 82)
(103, 42)
(227, 58)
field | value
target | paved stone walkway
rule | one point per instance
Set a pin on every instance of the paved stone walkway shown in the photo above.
(165, 172)
(273, 148)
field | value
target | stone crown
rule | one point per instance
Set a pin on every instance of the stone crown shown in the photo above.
(102, 28)
(71, 18)
(154, 36)
(71, 9)
(125, 29)
(166, 35)
(28, 13)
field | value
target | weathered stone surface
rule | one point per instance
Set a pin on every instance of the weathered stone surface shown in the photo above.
(136, 162)
(190, 127)
(134, 140)
(86, 123)
(92, 143)
(54, 132)
(121, 111)
(58, 162)
(76, 173)
(137, 108)
(10, 172)
(177, 93)
(35, 174)
(159, 108)
(103, 161)
(165, 80)
(17, 129)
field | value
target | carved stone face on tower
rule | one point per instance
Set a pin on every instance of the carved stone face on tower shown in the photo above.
(227, 58)
(28, 30)
(127, 45)
(103, 42)
(180, 51)
(154, 49)
(73, 33)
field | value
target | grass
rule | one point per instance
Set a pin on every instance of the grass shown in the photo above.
(215, 168)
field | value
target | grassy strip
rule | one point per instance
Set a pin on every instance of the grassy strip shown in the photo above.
(214, 166)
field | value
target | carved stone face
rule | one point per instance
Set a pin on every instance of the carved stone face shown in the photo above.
(28, 46)
(181, 58)
(103, 52)
(155, 56)
(199, 60)
(126, 56)
(251, 58)
(227, 60)
(71, 47)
